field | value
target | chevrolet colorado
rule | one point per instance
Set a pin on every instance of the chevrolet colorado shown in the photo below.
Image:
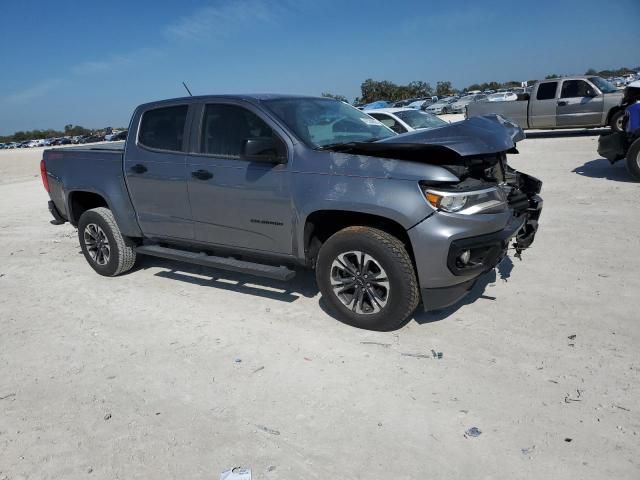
(265, 184)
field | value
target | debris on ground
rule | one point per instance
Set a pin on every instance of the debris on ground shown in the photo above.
(415, 355)
(568, 440)
(569, 399)
(271, 468)
(7, 396)
(528, 450)
(268, 430)
(236, 473)
(238, 360)
(380, 344)
(572, 337)
(472, 432)
(107, 417)
(435, 354)
(307, 359)
(258, 369)
(622, 408)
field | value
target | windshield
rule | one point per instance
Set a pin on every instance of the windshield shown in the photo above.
(603, 85)
(322, 121)
(417, 119)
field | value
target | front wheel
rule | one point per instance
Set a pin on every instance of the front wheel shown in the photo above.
(616, 121)
(102, 243)
(367, 278)
(633, 160)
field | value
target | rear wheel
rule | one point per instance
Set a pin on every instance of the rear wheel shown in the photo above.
(615, 122)
(102, 243)
(367, 278)
(633, 160)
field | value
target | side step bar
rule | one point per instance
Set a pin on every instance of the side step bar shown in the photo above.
(223, 263)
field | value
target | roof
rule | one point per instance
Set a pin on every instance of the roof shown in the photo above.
(390, 110)
(249, 97)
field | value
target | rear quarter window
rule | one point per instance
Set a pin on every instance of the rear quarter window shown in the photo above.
(163, 128)
(547, 91)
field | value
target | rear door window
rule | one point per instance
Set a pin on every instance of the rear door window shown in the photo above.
(547, 91)
(389, 121)
(163, 128)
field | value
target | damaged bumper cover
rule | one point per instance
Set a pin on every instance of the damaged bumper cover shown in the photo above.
(471, 247)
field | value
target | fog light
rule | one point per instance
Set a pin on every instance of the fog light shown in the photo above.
(464, 257)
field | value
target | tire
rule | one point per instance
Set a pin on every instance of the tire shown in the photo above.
(445, 110)
(633, 160)
(615, 122)
(102, 243)
(384, 305)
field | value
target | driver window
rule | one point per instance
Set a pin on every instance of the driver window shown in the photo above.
(575, 88)
(225, 128)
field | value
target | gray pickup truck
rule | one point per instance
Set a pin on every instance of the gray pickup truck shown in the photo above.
(568, 102)
(266, 184)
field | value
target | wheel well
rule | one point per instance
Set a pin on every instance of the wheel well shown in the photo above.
(612, 112)
(80, 202)
(320, 225)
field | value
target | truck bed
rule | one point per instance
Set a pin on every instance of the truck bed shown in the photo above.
(516, 111)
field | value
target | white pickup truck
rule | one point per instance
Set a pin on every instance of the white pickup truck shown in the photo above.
(568, 102)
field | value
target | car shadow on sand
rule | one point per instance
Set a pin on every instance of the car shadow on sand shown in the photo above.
(601, 168)
(303, 285)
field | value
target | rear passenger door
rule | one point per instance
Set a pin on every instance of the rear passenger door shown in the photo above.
(237, 202)
(579, 105)
(155, 172)
(542, 108)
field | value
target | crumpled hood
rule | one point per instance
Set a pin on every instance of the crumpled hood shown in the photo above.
(481, 135)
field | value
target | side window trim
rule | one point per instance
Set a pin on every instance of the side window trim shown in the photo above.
(185, 130)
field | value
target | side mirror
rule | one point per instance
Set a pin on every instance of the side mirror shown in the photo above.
(263, 149)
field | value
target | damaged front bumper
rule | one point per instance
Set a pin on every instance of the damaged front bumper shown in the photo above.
(471, 247)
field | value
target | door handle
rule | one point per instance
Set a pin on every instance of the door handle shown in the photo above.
(202, 174)
(138, 168)
(562, 103)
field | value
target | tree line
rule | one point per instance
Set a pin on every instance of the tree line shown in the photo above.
(69, 131)
(372, 90)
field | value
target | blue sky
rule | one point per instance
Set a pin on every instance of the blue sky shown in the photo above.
(91, 63)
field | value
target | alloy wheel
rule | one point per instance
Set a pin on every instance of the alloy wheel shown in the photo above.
(360, 282)
(97, 244)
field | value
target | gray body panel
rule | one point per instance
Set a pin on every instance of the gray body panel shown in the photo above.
(262, 208)
(556, 112)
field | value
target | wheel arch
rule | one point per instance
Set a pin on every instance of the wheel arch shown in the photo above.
(321, 224)
(79, 201)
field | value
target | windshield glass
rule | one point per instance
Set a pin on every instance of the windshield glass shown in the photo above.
(417, 119)
(603, 85)
(322, 121)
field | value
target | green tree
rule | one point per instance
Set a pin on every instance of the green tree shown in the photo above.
(443, 88)
(552, 75)
(591, 71)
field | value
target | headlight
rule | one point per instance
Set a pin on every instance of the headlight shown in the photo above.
(488, 200)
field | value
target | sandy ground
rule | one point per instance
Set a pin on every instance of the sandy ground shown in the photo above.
(175, 371)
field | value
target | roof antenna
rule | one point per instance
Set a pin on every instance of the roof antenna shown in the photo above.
(189, 91)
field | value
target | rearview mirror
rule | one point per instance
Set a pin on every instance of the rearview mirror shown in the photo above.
(264, 149)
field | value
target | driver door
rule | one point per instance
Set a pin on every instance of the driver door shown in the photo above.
(579, 105)
(237, 202)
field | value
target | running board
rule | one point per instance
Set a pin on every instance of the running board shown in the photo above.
(223, 263)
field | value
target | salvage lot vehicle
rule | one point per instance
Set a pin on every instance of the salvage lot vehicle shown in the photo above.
(442, 106)
(626, 144)
(459, 105)
(263, 184)
(403, 120)
(569, 102)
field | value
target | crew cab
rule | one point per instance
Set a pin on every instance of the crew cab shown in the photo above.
(568, 102)
(269, 184)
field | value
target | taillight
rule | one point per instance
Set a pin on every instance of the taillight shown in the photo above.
(43, 174)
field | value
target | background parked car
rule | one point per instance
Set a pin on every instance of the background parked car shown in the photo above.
(119, 136)
(502, 97)
(442, 106)
(402, 120)
(459, 105)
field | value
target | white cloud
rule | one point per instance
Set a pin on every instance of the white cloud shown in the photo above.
(221, 20)
(35, 91)
(115, 61)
